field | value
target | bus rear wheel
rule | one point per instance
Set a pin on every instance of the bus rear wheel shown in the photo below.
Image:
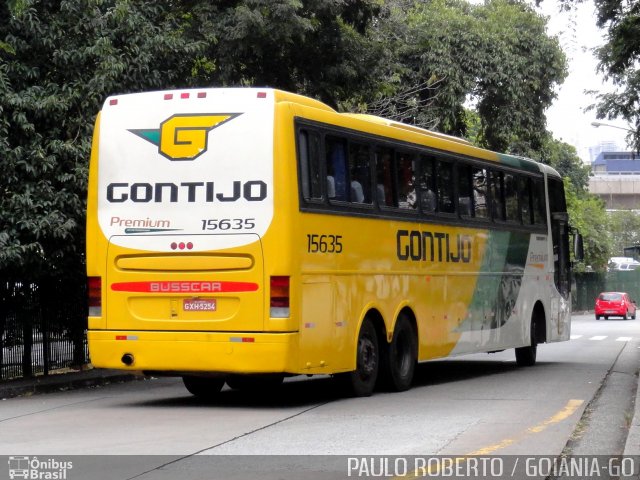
(362, 381)
(526, 356)
(203, 387)
(399, 361)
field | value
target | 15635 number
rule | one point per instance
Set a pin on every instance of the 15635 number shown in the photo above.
(324, 243)
(228, 224)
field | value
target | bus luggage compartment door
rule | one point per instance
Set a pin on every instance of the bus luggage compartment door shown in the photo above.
(186, 290)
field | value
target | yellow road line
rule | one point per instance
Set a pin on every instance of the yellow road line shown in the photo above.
(568, 410)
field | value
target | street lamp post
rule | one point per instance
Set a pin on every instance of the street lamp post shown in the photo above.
(601, 124)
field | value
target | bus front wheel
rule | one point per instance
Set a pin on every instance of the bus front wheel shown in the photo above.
(526, 356)
(203, 387)
(362, 381)
(399, 360)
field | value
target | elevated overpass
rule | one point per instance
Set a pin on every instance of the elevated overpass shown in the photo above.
(620, 190)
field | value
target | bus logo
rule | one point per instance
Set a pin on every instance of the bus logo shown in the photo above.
(18, 467)
(184, 137)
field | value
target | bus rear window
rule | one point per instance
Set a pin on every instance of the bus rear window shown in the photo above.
(308, 145)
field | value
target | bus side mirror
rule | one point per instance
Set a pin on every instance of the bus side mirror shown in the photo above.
(578, 247)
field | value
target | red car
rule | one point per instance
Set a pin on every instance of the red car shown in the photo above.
(615, 304)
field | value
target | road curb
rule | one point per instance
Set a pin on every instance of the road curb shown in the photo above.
(65, 381)
(632, 445)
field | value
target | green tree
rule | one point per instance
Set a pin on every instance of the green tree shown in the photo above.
(587, 214)
(62, 59)
(564, 158)
(619, 61)
(497, 54)
(320, 48)
(625, 231)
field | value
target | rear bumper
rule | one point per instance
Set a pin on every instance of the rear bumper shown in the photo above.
(611, 311)
(219, 352)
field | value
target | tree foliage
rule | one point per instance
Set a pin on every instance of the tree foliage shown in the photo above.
(625, 231)
(62, 58)
(619, 61)
(59, 59)
(588, 216)
(496, 54)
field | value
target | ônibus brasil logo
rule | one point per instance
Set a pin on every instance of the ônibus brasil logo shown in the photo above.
(184, 137)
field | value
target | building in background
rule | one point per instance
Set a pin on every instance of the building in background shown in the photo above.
(615, 176)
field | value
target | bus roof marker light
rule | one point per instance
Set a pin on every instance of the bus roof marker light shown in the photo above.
(184, 95)
(168, 96)
(202, 94)
(113, 101)
(262, 94)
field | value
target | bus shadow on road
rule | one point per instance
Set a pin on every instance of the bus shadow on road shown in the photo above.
(299, 391)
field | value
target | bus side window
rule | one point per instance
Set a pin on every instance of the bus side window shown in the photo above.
(427, 185)
(539, 210)
(511, 198)
(444, 182)
(407, 195)
(465, 190)
(309, 157)
(384, 178)
(480, 192)
(336, 158)
(497, 197)
(524, 191)
(359, 173)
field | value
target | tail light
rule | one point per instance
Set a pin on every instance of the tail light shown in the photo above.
(94, 292)
(279, 297)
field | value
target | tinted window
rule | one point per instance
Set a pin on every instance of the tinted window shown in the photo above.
(359, 173)
(465, 191)
(427, 185)
(539, 209)
(337, 181)
(384, 176)
(524, 190)
(444, 182)
(511, 197)
(497, 197)
(308, 144)
(407, 195)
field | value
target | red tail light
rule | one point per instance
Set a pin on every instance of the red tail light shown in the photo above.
(279, 297)
(94, 292)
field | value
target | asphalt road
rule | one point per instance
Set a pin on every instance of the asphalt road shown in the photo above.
(473, 405)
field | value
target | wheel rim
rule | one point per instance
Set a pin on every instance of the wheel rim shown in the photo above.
(403, 354)
(367, 357)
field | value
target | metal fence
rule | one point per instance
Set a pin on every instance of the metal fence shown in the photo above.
(588, 285)
(42, 327)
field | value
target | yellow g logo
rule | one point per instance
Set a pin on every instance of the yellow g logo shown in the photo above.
(185, 136)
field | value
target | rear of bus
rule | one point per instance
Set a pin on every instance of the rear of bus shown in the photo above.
(181, 199)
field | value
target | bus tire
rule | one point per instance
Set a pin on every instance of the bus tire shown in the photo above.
(398, 364)
(526, 356)
(362, 381)
(255, 383)
(203, 387)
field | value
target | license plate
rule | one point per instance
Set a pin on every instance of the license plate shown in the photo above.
(611, 311)
(199, 305)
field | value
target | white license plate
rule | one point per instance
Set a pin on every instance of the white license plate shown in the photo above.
(199, 305)
(611, 311)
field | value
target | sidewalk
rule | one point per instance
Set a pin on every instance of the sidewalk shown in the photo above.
(65, 380)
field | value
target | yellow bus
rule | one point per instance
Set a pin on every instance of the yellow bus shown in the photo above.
(244, 235)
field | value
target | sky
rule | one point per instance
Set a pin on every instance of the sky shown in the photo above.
(568, 119)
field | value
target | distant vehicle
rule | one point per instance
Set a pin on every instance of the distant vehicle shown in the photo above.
(623, 264)
(615, 304)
